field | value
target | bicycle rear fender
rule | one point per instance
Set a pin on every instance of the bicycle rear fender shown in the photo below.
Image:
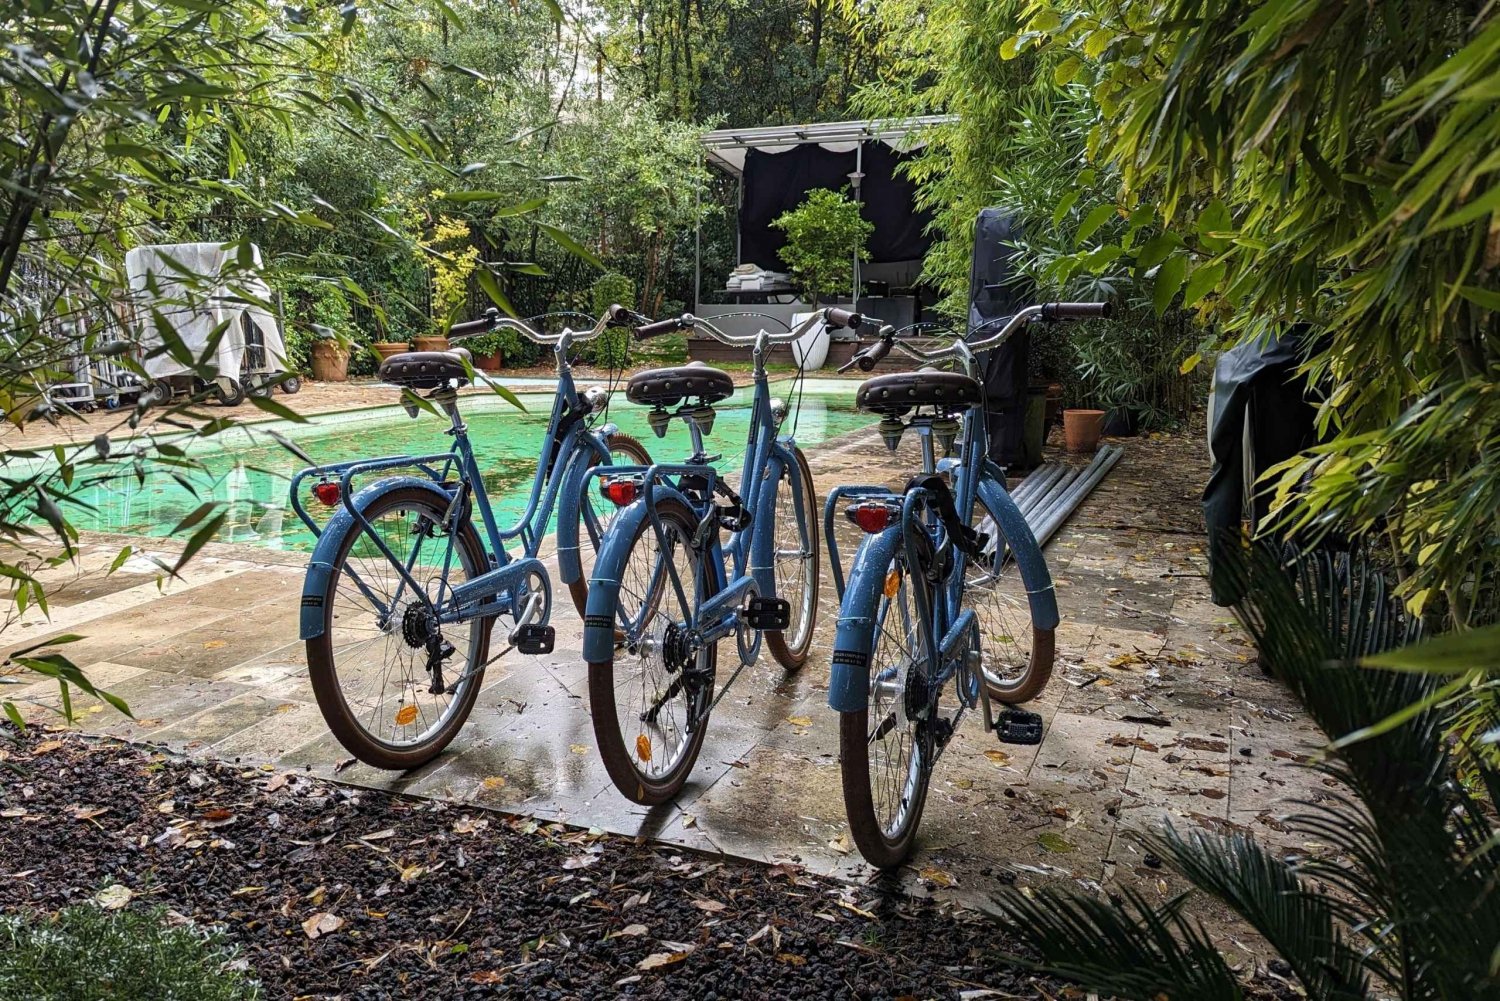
(1025, 551)
(320, 566)
(849, 677)
(604, 585)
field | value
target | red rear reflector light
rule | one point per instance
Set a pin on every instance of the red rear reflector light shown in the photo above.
(328, 493)
(871, 518)
(621, 493)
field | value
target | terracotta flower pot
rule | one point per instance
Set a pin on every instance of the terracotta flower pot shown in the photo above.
(1082, 428)
(386, 349)
(489, 362)
(330, 362)
(431, 343)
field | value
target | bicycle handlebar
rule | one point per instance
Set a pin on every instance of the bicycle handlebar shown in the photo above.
(648, 330)
(483, 325)
(687, 321)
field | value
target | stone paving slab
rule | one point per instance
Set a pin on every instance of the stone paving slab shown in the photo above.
(1156, 710)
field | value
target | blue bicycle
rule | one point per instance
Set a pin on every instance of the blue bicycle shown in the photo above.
(666, 589)
(947, 585)
(402, 592)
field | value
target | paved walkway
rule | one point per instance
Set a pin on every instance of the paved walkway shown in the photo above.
(1155, 710)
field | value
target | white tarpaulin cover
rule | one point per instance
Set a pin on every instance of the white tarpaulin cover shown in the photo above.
(195, 287)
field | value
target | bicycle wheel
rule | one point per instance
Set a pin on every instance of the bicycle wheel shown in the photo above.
(639, 701)
(1017, 656)
(883, 750)
(596, 514)
(795, 566)
(369, 669)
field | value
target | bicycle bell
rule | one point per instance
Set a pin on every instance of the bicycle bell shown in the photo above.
(778, 411)
(595, 399)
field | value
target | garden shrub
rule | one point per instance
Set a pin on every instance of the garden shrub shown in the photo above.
(613, 348)
(85, 953)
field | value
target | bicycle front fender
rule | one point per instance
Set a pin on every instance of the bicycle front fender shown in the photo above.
(604, 586)
(570, 504)
(1028, 555)
(849, 677)
(763, 541)
(320, 566)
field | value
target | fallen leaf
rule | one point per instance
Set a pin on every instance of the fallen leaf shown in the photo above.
(579, 748)
(580, 861)
(1203, 744)
(217, 813)
(389, 832)
(792, 958)
(936, 876)
(799, 720)
(89, 814)
(487, 976)
(998, 757)
(248, 891)
(842, 844)
(341, 765)
(317, 895)
(412, 872)
(493, 782)
(1120, 740)
(657, 960)
(46, 746)
(711, 906)
(631, 931)
(114, 896)
(13, 811)
(215, 644)
(856, 910)
(1054, 842)
(322, 923)
(689, 821)
(468, 825)
(1213, 793)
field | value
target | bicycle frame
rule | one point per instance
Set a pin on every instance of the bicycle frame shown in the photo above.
(501, 587)
(973, 476)
(742, 563)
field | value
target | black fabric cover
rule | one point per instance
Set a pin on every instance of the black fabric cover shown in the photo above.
(776, 183)
(994, 292)
(1259, 382)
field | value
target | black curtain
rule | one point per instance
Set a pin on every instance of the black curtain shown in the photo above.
(890, 203)
(994, 292)
(778, 182)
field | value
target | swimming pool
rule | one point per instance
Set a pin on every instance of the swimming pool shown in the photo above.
(245, 470)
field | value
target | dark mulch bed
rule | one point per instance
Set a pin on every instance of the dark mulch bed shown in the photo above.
(418, 899)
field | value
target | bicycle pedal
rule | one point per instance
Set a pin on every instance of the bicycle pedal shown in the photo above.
(1017, 726)
(535, 639)
(768, 613)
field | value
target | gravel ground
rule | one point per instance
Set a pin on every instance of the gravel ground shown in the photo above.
(333, 892)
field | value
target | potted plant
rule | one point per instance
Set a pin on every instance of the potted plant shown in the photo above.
(823, 235)
(386, 349)
(330, 359)
(488, 350)
(454, 258)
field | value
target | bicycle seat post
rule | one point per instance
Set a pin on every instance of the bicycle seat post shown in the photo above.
(447, 398)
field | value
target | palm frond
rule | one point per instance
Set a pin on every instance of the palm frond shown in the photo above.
(1267, 892)
(1135, 952)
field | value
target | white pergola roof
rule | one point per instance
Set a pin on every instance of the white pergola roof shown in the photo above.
(726, 148)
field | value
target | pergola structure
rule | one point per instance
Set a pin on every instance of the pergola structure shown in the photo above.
(755, 155)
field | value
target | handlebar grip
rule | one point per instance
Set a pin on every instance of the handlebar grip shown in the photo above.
(870, 357)
(482, 325)
(1076, 310)
(836, 318)
(658, 328)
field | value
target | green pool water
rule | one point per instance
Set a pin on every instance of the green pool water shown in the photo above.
(245, 470)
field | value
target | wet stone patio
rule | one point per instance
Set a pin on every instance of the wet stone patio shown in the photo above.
(1155, 711)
